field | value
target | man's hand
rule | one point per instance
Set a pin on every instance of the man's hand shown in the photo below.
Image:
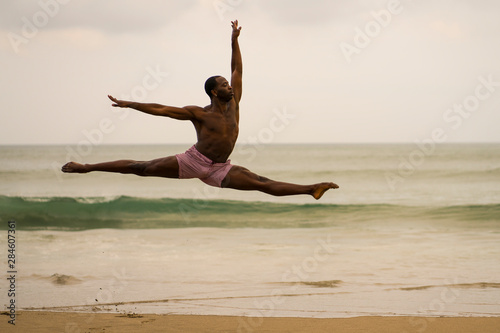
(236, 30)
(118, 103)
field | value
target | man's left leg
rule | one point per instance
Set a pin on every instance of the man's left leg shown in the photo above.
(241, 178)
(167, 167)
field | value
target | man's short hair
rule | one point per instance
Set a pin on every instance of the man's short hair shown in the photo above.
(210, 84)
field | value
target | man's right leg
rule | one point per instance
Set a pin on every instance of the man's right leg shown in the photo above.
(161, 167)
(240, 178)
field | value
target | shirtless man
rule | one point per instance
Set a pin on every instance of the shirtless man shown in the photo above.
(217, 130)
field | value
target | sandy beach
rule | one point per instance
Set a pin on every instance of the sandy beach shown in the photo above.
(126, 323)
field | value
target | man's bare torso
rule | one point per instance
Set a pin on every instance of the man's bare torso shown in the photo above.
(217, 131)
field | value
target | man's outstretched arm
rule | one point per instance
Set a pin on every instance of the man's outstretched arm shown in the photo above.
(236, 62)
(185, 113)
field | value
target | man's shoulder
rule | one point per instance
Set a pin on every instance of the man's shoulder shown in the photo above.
(195, 108)
(199, 113)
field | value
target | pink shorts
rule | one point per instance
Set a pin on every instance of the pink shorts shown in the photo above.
(193, 164)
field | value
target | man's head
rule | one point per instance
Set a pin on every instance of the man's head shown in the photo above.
(217, 86)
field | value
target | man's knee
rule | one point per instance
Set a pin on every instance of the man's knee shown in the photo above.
(261, 183)
(140, 168)
(263, 180)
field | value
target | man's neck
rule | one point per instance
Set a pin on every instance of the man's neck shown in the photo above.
(218, 105)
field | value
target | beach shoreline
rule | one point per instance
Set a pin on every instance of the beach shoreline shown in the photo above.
(42, 321)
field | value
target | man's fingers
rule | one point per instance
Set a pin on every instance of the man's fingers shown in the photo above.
(234, 25)
(117, 102)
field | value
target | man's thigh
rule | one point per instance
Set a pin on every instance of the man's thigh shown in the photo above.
(167, 167)
(241, 178)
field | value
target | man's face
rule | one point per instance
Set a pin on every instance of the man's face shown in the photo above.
(223, 90)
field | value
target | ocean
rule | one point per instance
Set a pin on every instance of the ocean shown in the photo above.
(414, 229)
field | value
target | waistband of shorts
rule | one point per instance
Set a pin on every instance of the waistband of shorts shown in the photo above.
(205, 159)
(196, 152)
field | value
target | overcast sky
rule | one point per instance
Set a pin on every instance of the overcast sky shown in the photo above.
(314, 71)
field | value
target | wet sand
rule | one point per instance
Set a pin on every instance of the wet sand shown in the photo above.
(38, 321)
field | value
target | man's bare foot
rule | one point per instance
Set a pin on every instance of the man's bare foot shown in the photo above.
(73, 167)
(321, 188)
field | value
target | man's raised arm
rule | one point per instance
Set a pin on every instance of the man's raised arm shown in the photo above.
(185, 113)
(236, 63)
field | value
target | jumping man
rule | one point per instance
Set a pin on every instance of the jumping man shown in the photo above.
(217, 130)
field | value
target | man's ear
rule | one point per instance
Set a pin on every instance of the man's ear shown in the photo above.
(214, 92)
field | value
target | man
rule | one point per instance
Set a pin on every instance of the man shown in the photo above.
(217, 130)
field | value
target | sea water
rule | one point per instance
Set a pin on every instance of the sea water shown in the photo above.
(412, 230)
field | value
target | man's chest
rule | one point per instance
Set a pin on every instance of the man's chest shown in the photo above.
(223, 124)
